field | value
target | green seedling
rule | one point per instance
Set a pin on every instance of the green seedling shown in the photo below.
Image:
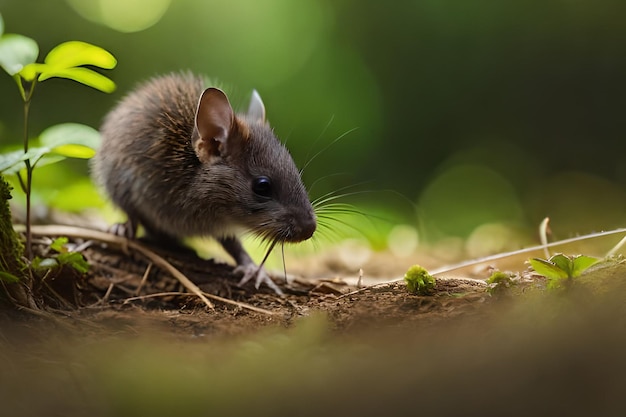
(500, 281)
(561, 269)
(71, 60)
(63, 257)
(419, 281)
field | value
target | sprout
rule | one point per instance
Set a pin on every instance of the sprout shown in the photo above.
(419, 281)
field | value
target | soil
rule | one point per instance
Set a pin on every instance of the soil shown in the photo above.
(127, 338)
(125, 287)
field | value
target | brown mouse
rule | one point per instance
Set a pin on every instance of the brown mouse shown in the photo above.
(178, 160)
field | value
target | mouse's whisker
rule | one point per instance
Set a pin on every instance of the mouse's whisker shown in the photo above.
(267, 254)
(282, 252)
(267, 234)
(317, 140)
(325, 148)
(327, 233)
(336, 194)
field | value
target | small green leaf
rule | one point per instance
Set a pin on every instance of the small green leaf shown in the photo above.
(82, 75)
(74, 259)
(1, 25)
(563, 262)
(31, 71)
(48, 159)
(75, 151)
(547, 269)
(66, 60)
(17, 51)
(58, 142)
(11, 162)
(75, 53)
(71, 139)
(10, 159)
(7, 277)
(36, 154)
(45, 263)
(581, 263)
(59, 244)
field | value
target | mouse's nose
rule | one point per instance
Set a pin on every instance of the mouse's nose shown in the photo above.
(304, 227)
(308, 227)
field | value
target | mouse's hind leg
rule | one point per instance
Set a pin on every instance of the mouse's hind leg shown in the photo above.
(152, 236)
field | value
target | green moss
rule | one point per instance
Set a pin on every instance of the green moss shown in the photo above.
(499, 282)
(419, 281)
(12, 266)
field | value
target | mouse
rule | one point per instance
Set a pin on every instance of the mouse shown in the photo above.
(180, 162)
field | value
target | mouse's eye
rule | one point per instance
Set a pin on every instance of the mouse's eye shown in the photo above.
(262, 186)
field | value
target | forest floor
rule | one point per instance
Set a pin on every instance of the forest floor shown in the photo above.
(127, 338)
(123, 286)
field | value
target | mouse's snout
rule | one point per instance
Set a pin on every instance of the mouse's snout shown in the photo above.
(308, 227)
(302, 228)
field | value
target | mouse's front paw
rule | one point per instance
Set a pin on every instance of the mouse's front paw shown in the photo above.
(127, 229)
(250, 271)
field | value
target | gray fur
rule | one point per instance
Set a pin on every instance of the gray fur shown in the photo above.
(149, 168)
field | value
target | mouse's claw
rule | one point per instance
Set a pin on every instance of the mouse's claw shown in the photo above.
(128, 229)
(250, 271)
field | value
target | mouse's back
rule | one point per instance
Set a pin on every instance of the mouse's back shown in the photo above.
(177, 159)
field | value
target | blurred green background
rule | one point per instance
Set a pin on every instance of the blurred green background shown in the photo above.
(463, 119)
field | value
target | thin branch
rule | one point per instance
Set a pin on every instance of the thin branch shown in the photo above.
(503, 255)
(144, 278)
(78, 232)
(615, 248)
(544, 229)
(123, 243)
(212, 296)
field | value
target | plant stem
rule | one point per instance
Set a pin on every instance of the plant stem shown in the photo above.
(29, 171)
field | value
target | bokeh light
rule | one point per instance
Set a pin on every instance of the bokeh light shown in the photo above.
(122, 15)
(268, 41)
(487, 116)
(491, 238)
(403, 240)
(465, 197)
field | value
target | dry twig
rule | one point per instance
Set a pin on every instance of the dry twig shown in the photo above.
(121, 243)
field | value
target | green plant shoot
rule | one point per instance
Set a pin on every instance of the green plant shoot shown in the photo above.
(561, 269)
(66, 140)
(64, 257)
(499, 281)
(18, 56)
(419, 281)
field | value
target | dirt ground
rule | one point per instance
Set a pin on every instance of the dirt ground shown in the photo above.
(124, 286)
(127, 338)
(125, 283)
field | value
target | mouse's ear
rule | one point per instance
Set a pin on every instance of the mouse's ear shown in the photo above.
(256, 109)
(214, 121)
